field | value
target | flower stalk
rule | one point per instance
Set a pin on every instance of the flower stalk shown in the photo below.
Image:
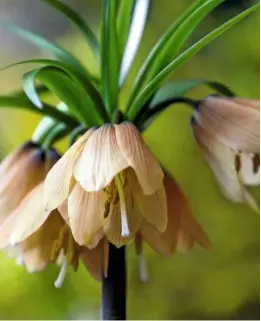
(113, 299)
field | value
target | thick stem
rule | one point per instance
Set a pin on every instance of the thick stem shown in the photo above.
(113, 305)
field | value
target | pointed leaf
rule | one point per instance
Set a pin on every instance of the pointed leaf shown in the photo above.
(67, 90)
(180, 88)
(109, 57)
(156, 50)
(181, 59)
(74, 17)
(135, 34)
(46, 45)
(178, 39)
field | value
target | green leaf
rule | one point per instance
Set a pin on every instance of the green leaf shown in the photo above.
(109, 57)
(79, 23)
(123, 24)
(60, 84)
(148, 91)
(180, 88)
(138, 22)
(179, 37)
(80, 81)
(156, 50)
(26, 104)
(47, 45)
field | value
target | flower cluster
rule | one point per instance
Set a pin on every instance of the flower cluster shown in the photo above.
(108, 187)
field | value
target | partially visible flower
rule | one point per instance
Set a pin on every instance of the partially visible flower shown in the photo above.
(51, 242)
(114, 171)
(20, 172)
(182, 231)
(226, 130)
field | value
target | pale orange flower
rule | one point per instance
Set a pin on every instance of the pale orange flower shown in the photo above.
(228, 132)
(115, 181)
(20, 172)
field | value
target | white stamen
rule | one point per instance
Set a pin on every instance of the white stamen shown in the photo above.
(144, 277)
(124, 224)
(124, 221)
(61, 277)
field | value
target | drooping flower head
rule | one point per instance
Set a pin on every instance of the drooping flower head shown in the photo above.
(112, 182)
(228, 132)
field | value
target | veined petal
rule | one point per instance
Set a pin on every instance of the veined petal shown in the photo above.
(249, 169)
(85, 212)
(30, 215)
(58, 181)
(100, 160)
(222, 161)
(152, 207)
(139, 157)
(182, 229)
(235, 124)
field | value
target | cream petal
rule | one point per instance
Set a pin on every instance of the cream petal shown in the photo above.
(236, 125)
(139, 157)
(221, 160)
(249, 169)
(100, 160)
(6, 229)
(113, 224)
(152, 207)
(30, 215)
(85, 212)
(58, 181)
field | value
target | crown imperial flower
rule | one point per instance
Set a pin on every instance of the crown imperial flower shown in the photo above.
(228, 132)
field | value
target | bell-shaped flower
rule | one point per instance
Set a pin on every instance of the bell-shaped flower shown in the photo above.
(226, 128)
(38, 244)
(20, 172)
(112, 182)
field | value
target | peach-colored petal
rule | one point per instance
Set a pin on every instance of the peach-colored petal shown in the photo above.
(19, 180)
(222, 161)
(85, 210)
(236, 125)
(58, 181)
(6, 229)
(100, 160)
(249, 169)
(113, 225)
(92, 260)
(17, 156)
(139, 157)
(152, 207)
(37, 248)
(30, 215)
(182, 229)
(63, 210)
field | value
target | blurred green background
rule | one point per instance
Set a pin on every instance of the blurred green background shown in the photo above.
(222, 284)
